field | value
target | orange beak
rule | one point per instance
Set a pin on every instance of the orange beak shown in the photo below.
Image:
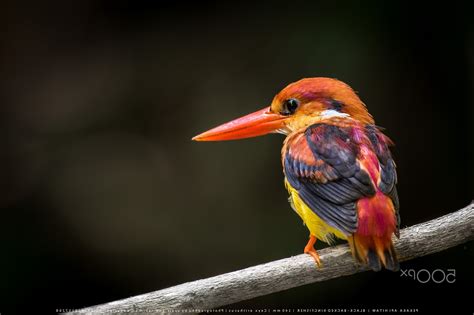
(256, 124)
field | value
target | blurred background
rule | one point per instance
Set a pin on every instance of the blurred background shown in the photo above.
(104, 196)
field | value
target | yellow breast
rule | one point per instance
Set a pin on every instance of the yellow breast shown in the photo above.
(317, 227)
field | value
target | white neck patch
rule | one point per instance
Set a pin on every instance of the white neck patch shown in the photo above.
(329, 113)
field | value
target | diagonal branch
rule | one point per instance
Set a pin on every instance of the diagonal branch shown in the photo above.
(415, 241)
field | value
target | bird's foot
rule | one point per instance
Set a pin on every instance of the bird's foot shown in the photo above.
(309, 249)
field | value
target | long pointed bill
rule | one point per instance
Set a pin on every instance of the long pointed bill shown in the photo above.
(252, 125)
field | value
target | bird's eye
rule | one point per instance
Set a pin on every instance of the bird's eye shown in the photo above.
(290, 106)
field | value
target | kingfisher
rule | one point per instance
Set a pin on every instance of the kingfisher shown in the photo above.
(338, 168)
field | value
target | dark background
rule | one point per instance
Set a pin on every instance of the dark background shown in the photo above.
(104, 196)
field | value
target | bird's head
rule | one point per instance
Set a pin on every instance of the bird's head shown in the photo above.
(297, 106)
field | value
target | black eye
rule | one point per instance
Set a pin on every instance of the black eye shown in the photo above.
(290, 106)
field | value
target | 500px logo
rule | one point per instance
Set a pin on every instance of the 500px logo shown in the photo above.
(424, 275)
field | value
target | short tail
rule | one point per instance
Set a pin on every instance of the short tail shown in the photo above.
(372, 243)
(374, 252)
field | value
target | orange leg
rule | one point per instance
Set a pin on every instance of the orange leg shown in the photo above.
(309, 249)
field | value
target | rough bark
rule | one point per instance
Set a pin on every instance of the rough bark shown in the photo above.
(415, 241)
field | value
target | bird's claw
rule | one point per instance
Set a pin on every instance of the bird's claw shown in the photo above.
(315, 256)
(309, 249)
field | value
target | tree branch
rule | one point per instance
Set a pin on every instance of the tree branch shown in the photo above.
(415, 241)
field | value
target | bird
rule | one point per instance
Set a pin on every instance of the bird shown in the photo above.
(337, 164)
